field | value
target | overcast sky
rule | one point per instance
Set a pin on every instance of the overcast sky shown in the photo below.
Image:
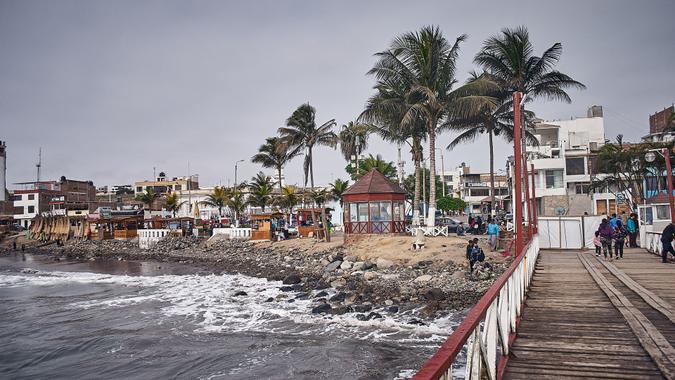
(111, 89)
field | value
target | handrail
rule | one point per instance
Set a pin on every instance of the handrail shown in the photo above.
(498, 313)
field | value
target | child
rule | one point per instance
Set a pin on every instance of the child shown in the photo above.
(597, 243)
(619, 237)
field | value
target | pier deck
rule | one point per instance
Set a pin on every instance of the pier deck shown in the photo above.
(587, 318)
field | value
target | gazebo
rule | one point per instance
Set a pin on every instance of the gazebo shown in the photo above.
(374, 205)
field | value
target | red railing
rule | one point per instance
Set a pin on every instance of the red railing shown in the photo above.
(503, 302)
(379, 227)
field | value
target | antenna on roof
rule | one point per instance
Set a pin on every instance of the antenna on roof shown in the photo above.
(39, 164)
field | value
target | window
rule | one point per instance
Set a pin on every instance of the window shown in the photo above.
(447, 178)
(139, 189)
(177, 187)
(581, 188)
(501, 191)
(646, 214)
(398, 211)
(363, 212)
(16, 198)
(575, 166)
(30, 210)
(31, 197)
(480, 192)
(554, 179)
(663, 212)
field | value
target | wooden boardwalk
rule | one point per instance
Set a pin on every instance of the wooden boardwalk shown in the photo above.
(585, 319)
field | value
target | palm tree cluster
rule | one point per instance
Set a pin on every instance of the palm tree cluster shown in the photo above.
(417, 94)
(417, 97)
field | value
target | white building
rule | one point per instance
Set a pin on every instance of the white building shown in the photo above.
(33, 200)
(474, 188)
(565, 163)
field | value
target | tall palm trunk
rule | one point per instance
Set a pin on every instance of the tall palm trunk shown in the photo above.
(431, 126)
(279, 168)
(418, 182)
(358, 153)
(311, 179)
(492, 172)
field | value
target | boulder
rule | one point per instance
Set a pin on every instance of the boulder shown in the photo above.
(423, 279)
(346, 265)
(383, 263)
(320, 294)
(369, 276)
(321, 309)
(351, 258)
(434, 294)
(286, 288)
(338, 297)
(359, 265)
(340, 310)
(240, 293)
(363, 308)
(332, 266)
(340, 282)
(292, 279)
(392, 309)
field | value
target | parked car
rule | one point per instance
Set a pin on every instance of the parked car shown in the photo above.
(449, 222)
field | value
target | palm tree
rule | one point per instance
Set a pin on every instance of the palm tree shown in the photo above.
(424, 64)
(508, 59)
(385, 111)
(274, 154)
(353, 140)
(288, 199)
(302, 133)
(173, 204)
(148, 197)
(495, 120)
(320, 197)
(378, 163)
(220, 197)
(261, 191)
(237, 203)
(337, 188)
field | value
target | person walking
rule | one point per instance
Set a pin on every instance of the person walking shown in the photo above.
(619, 237)
(631, 227)
(597, 243)
(667, 242)
(493, 234)
(613, 221)
(469, 255)
(605, 231)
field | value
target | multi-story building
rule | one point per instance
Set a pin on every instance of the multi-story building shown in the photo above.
(163, 186)
(474, 189)
(565, 164)
(32, 200)
(453, 179)
(661, 126)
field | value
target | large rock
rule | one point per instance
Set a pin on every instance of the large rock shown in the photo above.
(292, 279)
(434, 294)
(359, 265)
(340, 282)
(369, 276)
(351, 258)
(333, 266)
(383, 263)
(321, 309)
(423, 279)
(346, 265)
(338, 297)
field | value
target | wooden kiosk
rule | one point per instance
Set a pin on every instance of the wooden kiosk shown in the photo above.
(263, 221)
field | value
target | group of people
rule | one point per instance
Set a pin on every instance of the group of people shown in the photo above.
(613, 232)
(477, 227)
(474, 253)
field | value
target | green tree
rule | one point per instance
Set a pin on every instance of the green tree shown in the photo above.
(220, 198)
(274, 154)
(260, 191)
(424, 63)
(148, 197)
(288, 199)
(372, 162)
(237, 203)
(409, 185)
(301, 133)
(337, 188)
(173, 204)
(449, 204)
(354, 140)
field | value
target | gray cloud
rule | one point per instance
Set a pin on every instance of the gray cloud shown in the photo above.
(111, 89)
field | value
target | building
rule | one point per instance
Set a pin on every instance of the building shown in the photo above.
(163, 186)
(33, 200)
(474, 188)
(3, 172)
(74, 197)
(661, 126)
(565, 164)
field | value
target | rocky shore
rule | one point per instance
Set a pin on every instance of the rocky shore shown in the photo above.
(337, 282)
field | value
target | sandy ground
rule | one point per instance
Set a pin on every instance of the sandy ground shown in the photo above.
(440, 250)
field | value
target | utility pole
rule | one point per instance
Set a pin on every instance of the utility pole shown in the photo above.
(442, 170)
(39, 164)
(400, 167)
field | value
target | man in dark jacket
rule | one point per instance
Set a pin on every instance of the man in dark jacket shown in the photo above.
(667, 241)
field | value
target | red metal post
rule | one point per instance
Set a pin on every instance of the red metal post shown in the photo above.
(517, 175)
(526, 181)
(669, 176)
(534, 201)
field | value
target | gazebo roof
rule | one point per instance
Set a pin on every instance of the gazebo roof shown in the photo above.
(374, 182)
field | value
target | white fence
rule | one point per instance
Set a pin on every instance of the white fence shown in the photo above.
(568, 232)
(233, 233)
(488, 326)
(429, 231)
(150, 237)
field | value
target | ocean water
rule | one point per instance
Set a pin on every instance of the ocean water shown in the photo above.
(146, 320)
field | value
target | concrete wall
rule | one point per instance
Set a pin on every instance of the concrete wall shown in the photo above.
(574, 204)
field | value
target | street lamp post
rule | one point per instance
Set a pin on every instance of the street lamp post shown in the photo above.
(236, 214)
(442, 170)
(650, 157)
